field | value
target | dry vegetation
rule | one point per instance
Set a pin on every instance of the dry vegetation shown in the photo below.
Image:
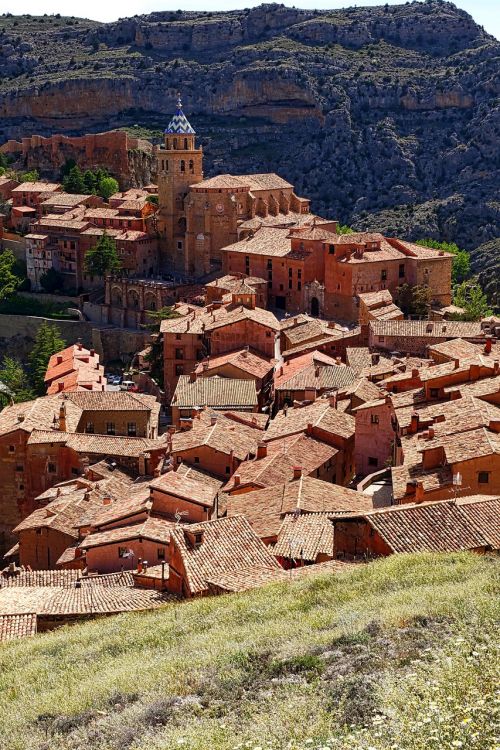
(400, 654)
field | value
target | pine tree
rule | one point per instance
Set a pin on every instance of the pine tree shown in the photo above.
(73, 182)
(13, 375)
(48, 341)
(102, 258)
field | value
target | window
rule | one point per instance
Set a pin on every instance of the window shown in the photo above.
(290, 272)
(74, 471)
(269, 284)
(183, 166)
(290, 283)
(374, 418)
(228, 470)
(483, 477)
(89, 427)
(177, 336)
(197, 459)
(131, 429)
(161, 553)
(281, 287)
(179, 244)
(381, 339)
(268, 334)
(434, 392)
(331, 249)
(401, 270)
(299, 285)
(299, 273)
(179, 353)
(51, 468)
(179, 370)
(383, 274)
(122, 552)
(372, 461)
(19, 467)
(270, 275)
(12, 448)
(110, 428)
(270, 264)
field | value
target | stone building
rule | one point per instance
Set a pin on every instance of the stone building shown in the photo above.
(197, 217)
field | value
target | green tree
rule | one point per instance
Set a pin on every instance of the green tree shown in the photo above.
(107, 187)
(73, 182)
(102, 258)
(344, 229)
(471, 297)
(460, 270)
(155, 354)
(13, 375)
(89, 182)
(9, 281)
(51, 280)
(152, 199)
(31, 176)
(48, 341)
(413, 300)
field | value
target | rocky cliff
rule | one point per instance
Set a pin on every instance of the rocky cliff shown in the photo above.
(386, 116)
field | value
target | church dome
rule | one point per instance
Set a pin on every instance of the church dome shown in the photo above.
(179, 124)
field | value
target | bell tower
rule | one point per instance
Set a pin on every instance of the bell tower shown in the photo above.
(179, 165)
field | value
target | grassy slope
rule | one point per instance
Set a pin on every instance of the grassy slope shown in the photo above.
(402, 653)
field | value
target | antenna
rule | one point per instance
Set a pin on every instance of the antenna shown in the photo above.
(178, 516)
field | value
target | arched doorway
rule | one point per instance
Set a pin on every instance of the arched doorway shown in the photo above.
(315, 307)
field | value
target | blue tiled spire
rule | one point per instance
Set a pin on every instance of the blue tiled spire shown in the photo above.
(179, 124)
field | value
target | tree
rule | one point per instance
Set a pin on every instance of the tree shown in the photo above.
(152, 199)
(89, 182)
(51, 281)
(31, 176)
(460, 270)
(471, 297)
(344, 229)
(155, 355)
(107, 187)
(102, 258)
(48, 341)
(413, 300)
(73, 182)
(13, 375)
(9, 281)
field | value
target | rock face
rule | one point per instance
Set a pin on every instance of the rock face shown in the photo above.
(384, 116)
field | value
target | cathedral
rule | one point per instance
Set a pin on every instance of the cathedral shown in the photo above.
(198, 217)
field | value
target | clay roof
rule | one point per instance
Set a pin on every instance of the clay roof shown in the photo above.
(290, 219)
(266, 508)
(35, 578)
(266, 181)
(155, 529)
(65, 199)
(63, 513)
(455, 349)
(228, 544)
(304, 537)
(247, 361)
(282, 456)
(230, 282)
(198, 320)
(426, 328)
(112, 401)
(312, 232)
(296, 364)
(17, 626)
(306, 331)
(192, 472)
(358, 357)
(225, 435)
(433, 527)
(483, 512)
(268, 241)
(41, 187)
(185, 487)
(376, 299)
(319, 378)
(320, 414)
(137, 503)
(110, 445)
(38, 415)
(217, 392)
(223, 181)
(68, 359)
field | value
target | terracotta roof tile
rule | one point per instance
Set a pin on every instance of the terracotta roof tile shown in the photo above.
(155, 529)
(304, 537)
(447, 329)
(17, 626)
(243, 359)
(226, 434)
(320, 414)
(215, 392)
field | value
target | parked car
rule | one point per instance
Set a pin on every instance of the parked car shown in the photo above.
(127, 385)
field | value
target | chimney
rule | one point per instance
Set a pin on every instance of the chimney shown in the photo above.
(455, 394)
(92, 352)
(192, 377)
(205, 365)
(474, 372)
(236, 480)
(388, 399)
(157, 472)
(487, 345)
(213, 419)
(187, 325)
(62, 417)
(106, 500)
(309, 428)
(375, 358)
(431, 433)
(414, 423)
(79, 345)
(419, 492)
(139, 565)
(414, 373)
(297, 472)
(262, 450)
(496, 367)
(456, 364)
(333, 400)
(59, 359)
(60, 387)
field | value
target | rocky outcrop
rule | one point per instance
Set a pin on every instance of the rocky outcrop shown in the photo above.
(384, 116)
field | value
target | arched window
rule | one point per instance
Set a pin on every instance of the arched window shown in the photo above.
(175, 142)
(191, 165)
(185, 144)
(183, 165)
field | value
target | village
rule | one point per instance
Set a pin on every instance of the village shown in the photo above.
(302, 421)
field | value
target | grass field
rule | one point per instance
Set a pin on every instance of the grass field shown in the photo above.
(401, 654)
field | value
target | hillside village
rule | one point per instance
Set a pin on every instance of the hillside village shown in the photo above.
(301, 420)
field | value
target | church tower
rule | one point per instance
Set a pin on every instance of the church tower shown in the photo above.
(179, 165)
